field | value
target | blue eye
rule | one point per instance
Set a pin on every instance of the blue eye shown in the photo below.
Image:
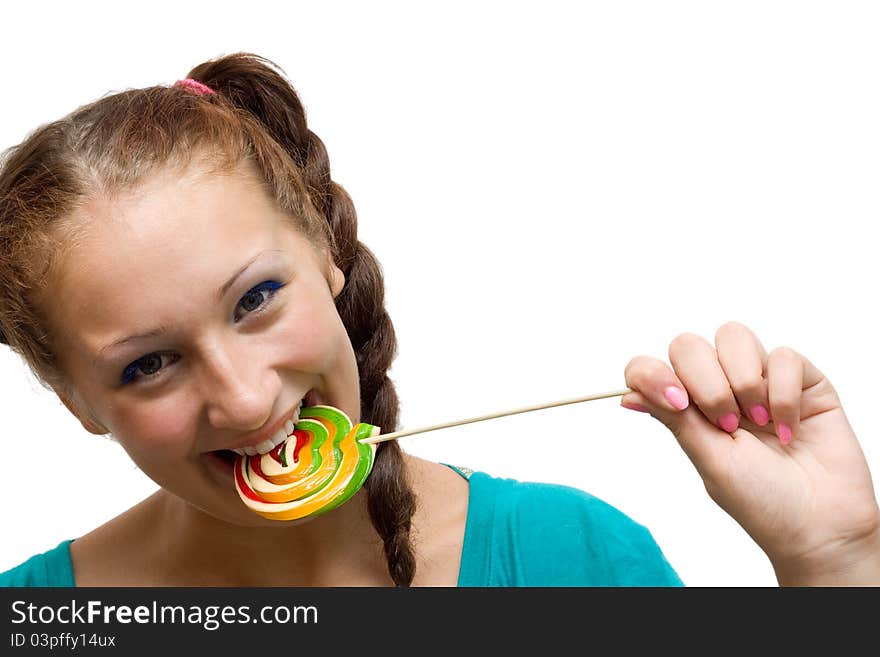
(254, 302)
(148, 364)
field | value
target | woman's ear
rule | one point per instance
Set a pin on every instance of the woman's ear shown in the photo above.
(88, 423)
(337, 278)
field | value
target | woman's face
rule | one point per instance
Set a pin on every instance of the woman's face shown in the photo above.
(193, 318)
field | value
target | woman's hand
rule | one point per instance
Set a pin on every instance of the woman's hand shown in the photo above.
(769, 437)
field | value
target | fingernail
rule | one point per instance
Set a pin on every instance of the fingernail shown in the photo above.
(759, 415)
(728, 422)
(784, 432)
(635, 407)
(677, 397)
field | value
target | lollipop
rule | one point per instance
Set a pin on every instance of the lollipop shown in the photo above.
(320, 466)
(329, 460)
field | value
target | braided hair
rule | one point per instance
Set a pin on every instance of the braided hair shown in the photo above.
(115, 142)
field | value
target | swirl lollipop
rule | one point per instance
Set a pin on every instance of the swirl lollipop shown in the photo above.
(330, 460)
(320, 466)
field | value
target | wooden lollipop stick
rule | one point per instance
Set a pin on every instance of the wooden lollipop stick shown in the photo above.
(409, 432)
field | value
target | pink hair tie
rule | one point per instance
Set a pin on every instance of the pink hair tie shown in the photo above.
(195, 86)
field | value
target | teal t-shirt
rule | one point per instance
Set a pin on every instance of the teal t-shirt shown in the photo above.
(517, 534)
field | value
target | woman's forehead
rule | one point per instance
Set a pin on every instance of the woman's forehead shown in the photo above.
(170, 235)
(185, 203)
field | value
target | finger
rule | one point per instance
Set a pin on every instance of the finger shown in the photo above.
(786, 382)
(744, 361)
(657, 382)
(705, 445)
(696, 364)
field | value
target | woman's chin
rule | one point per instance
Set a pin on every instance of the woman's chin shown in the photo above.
(238, 515)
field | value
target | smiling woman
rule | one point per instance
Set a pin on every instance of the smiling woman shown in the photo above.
(225, 284)
(226, 367)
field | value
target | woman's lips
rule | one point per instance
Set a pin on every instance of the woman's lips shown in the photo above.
(222, 461)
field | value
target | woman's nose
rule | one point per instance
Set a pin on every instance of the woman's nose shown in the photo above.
(240, 391)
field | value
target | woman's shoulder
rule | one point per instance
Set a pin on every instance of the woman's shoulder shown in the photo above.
(93, 559)
(50, 568)
(548, 503)
(557, 535)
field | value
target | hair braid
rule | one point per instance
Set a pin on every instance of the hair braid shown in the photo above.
(251, 84)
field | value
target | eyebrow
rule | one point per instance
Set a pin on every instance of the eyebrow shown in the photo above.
(228, 284)
(162, 330)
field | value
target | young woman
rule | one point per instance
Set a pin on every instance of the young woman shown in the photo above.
(180, 268)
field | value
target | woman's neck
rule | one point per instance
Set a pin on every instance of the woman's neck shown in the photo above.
(335, 549)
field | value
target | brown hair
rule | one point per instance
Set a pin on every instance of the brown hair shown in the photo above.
(114, 143)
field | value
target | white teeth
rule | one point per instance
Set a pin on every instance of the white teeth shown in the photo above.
(266, 445)
(263, 447)
(275, 440)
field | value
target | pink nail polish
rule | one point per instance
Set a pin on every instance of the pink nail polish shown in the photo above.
(759, 415)
(635, 407)
(728, 422)
(677, 397)
(784, 433)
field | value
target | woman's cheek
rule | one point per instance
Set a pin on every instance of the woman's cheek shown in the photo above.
(155, 429)
(307, 341)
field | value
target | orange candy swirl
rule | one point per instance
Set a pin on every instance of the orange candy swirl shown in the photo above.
(320, 466)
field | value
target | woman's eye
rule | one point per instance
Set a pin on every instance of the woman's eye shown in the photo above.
(143, 368)
(257, 298)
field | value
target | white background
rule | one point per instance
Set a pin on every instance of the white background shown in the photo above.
(551, 188)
